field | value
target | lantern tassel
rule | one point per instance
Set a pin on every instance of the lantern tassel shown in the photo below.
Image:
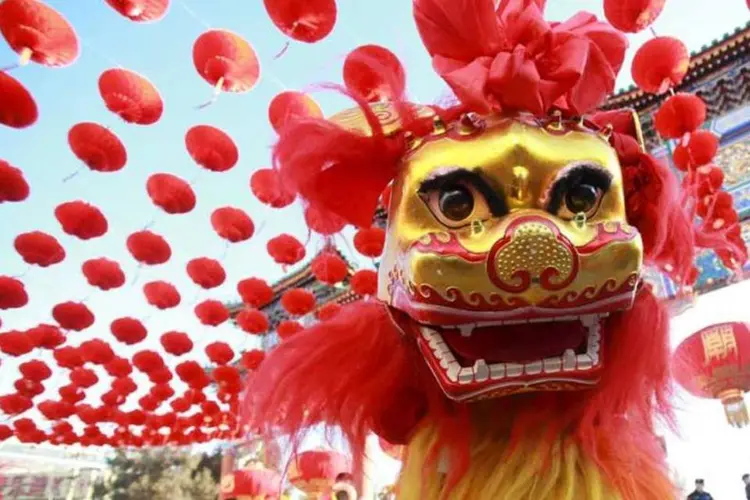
(25, 56)
(735, 408)
(217, 91)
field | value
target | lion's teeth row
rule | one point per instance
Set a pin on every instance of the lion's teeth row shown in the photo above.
(481, 371)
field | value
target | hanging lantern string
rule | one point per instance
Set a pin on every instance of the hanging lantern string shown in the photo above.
(93, 47)
(72, 175)
(190, 12)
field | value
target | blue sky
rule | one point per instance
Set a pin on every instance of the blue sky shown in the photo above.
(162, 52)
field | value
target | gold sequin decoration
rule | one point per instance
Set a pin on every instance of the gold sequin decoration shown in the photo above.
(534, 247)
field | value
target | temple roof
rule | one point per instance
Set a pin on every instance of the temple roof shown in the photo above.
(719, 73)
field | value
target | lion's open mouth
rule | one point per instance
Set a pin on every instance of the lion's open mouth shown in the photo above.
(508, 356)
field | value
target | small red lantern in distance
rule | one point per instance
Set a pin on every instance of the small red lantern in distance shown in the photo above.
(715, 363)
(315, 471)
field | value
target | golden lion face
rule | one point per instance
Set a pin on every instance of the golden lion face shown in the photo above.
(507, 243)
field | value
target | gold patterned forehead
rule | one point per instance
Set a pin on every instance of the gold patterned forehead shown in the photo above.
(387, 114)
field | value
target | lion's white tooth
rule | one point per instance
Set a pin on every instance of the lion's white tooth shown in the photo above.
(466, 330)
(533, 368)
(513, 369)
(584, 362)
(481, 370)
(552, 365)
(465, 375)
(569, 360)
(497, 371)
(452, 371)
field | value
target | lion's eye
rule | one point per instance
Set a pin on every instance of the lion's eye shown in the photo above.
(456, 204)
(579, 191)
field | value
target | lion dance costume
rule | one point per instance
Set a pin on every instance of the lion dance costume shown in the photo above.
(513, 347)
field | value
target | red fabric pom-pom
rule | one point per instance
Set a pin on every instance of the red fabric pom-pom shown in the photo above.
(660, 64)
(680, 114)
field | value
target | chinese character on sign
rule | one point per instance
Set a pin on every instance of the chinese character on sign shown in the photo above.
(718, 343)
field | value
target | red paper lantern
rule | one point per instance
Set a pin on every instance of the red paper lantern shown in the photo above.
(255, 292)
(308, 21)
(97, 351)
(129, 331)
(226, 61)
(148, 248)
(285, 249)
(268, 188)
(103, 273)
(161, 294)
(232, 224)
(219, 353)
(329, 268)
(699, 149)
(251, 360)
(189, 371)
(83, 377)
(713, 363)
(46, 336)
(298, 301)
(680, 114)
(323, 222)
(119, 367)
(328, 311)
(365, 282)
(15, 343)
(363, 70)
(315, 471)
(28, 388)
(140, 11)
(147, 361)
(253, 321)
(211, 312)
(37, 32)
(13, 186)
(288, 328)
(370, 241)
(97, 147)
(12, 293)
(18, 108)
(211, 148)
(81, 219)
(289, 106)
(660, 64)
(632, 16)
(73, 316)
(206, 273)
(39, 248)
(68, 357)
(170, 193)
(71, 394)
(176, 343)
(131, 96)
(255, 482)
(14, 404)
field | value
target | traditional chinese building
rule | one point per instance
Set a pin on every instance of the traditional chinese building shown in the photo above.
(720, 75)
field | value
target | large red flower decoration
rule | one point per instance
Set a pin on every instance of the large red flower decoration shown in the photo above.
(511, 58)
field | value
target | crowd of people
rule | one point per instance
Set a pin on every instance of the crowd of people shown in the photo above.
(700, 492)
